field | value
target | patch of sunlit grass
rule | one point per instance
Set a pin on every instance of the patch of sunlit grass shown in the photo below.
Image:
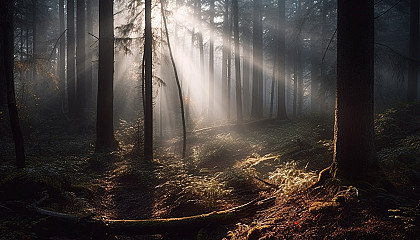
(291, 178)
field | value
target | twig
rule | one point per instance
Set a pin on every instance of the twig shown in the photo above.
(325, 53)
(55, 45)
(93, 35)
(380, 15)
(267, 183)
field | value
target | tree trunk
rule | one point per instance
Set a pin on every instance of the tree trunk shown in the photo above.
(354, 151)
(211, 65)
(315, 73)
(81, 57)
(237, 63)
(201, 47)
(69, 224)
(257, 91)
(89, 53)
(245, 59)
(34, 38)
(6, 72)
(225, 53)
(295, 82)
(281, 68)
(413, 67)
(273, 80)
(71, 61)
(62, 52)
(148, 118)
(229, 69)
(299, 69)
(178, 84)
(105, 102)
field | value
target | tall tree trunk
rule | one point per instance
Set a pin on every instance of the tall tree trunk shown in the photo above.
(34, 38)
(62, 52)
(201, 47)
(89, 53)
(413, 67)
(225, 53)
(299, 68)
(148, 118)
(315, 73)
(257, 82)
(6, 72)
(211, 64)
(245, 74)
(229, 69)
(81, 57)
(354, 151)
(105, 102)
(237, 63)
(295, 81)
(71, 61)
(324, 44)
(178, 84)
(281, 94)
(273, 80)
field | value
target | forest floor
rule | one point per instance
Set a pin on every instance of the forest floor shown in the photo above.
(226, 166)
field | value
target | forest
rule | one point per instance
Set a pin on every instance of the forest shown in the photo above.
(209, 119)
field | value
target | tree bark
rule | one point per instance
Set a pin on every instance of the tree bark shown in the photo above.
(211, 64)
(69, 223)
(89, 53)
(62, 52)
(354, 151)
(81, 57)
(225, 56)
(71, 61)
(281, 95)
(201, 48)
(178, 84)
(413, 67)
(257, 91)
(105, 102)
(6, 72)
(245, 72)
(237, 63)
(148, 118)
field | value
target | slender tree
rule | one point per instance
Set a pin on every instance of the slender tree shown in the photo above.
(89, 52)
(281, 48)
(62, 51)
(257, 90)
(354, 151)
(226, 36)
(245, 75)
(71, 61)
(413, 67)
(6, 72)
(148, 118)
(178, 84)
(105, 112)
(201, 47)
(81, 56)
(211, 63)
(237, 62)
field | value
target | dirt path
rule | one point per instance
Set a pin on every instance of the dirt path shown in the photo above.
(124, 193)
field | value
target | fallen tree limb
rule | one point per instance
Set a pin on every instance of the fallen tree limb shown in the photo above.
(95, 227)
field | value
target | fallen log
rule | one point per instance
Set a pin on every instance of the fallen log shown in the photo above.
(96, 227)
